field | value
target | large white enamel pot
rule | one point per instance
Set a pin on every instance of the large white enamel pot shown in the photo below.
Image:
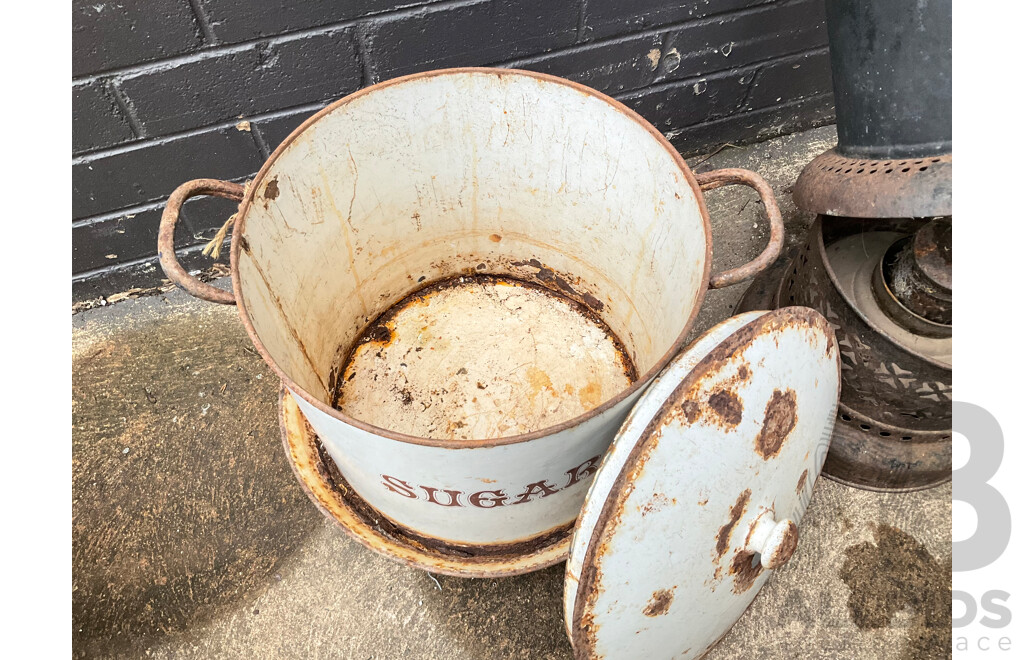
(425, 177)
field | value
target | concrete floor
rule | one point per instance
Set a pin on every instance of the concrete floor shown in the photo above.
(191, 538)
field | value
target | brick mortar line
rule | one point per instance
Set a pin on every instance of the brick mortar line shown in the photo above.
(89, 156)
(384, 17)
(581, 21)
(149, 206)
(261, 143)
(86, 157)
(135, 209)
(361, 48)
(659, 30)
(175, 61)
(124, 265)
(126, 109)
(673, 134)
(753, 66)
(204, 22)
(750, 86)
(111, 215)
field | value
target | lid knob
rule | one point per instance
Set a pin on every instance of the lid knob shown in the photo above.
(776, 541)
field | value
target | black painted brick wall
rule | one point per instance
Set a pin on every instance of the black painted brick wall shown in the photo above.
(159, 87)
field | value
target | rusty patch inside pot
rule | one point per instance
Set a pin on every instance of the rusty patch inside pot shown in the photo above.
(481, 356)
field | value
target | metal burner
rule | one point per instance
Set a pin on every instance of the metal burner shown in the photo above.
(893, 427)
(889, 373)
(914, 280)
(888, 188)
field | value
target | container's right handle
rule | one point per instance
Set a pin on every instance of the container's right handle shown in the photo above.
(165, 240)
(733, 175)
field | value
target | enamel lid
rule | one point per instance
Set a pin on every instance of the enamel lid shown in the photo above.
(700, 493)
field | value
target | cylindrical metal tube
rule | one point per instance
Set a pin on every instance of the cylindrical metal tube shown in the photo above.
(892, 75)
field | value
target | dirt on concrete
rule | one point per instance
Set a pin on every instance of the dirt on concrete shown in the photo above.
(894, 573)
(183, 503)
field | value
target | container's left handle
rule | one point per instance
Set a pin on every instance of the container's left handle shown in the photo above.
(165, 240)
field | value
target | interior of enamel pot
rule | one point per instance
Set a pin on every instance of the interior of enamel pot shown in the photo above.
(433, 176)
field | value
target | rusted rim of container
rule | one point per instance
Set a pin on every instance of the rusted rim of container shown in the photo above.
(515, 559)
(642, 381)
(582, 640)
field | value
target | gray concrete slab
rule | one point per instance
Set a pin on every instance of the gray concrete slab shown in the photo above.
(191, 538)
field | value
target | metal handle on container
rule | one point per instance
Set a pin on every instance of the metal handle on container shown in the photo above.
(165, 240)
(729, 176)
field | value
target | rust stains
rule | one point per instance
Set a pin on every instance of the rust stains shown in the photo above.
(897, 573)
(734, 517)
(786, 549)
(539, 381)
(378, 333)
(658, 502)
(779, 420)
(590, 395)
(271, 190)
(743, 571)
(389, 354)
(801, 483)
(495, 238)
(570, 285)
(592, 302)
(728, 406)
(692, 410)
(660, 601)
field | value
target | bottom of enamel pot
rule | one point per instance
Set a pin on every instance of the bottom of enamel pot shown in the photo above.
(329, 491)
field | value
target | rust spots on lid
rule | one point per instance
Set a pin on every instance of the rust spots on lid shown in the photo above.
(779, 420)
(271, 190)
(658, 502)
(728, 406)
(660, 601)
(786, 548)
(735, 513)
(692, 410)
(801, 483)
(743, 571)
